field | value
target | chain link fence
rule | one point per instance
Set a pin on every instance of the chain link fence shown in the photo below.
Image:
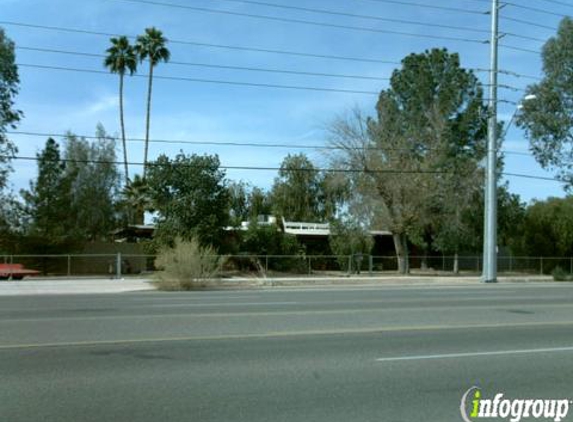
(122, 265)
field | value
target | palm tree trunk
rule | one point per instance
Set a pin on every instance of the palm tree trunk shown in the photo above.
(122, 124)
(150, 85)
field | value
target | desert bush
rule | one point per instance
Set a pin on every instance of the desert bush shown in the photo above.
(187, 266)
(559, 274)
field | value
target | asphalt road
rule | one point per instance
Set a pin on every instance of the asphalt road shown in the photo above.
(333, 354)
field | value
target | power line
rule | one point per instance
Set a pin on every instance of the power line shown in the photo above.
(215, 66)
(528, 23)
(337, 13)
(208, 45)
(535, 9)
(519, 75)
(258, 168)
(208, 81)
(562, 3)
(431, 6)
(229, 47)
(238, 143)
(319, 11)
(312, 23)
(226, 82)
(265, 70)
(521, 49)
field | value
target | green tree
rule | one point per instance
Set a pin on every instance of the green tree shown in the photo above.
(301, 193)
(121, 58)
(151, 47)
(92, 180)
(548, 228)
(9, 116)
(510, 216)
(348, 238)
(259, 203)
(49, 224)
(238, 202)
(190, 195)
(432, 116)
(548, 119)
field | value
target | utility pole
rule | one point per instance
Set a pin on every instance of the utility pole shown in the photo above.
(490, 217)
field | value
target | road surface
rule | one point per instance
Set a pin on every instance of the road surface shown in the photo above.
(326, 354)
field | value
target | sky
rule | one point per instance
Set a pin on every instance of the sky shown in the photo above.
(203, 109)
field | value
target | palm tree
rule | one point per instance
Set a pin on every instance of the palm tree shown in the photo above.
(121, 58)
(151, 46)
(137, 199)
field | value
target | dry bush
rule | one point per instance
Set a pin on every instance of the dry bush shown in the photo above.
(187, 266)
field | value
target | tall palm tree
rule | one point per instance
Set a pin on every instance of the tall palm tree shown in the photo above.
(151, 46)
(121, 58)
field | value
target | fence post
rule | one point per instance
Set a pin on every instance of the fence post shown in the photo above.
(266, 264)
(370, 265)
(118, 266)
(477, 264)
(510, 263)
(309, 265)
(570, 265)
(69, 266)
(541, 265)
(349, 264)
(443, 263)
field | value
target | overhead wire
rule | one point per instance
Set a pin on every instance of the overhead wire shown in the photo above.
(201, 80)
(203, 44)
(230, 47)
(283, 145)
(260, 168)
(319, 11)
(311, 23)
(215, 66)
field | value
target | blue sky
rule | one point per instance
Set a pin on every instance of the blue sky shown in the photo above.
(57, 101)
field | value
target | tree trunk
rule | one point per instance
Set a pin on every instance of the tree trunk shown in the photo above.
(122, 124)
(147, 121)
(456, 263)
(401, 245)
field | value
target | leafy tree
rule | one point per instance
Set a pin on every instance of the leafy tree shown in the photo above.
(238, 202)
(9, 116)
(92, 180)
(548, 228)
(510, 217)
(349, 237)
(190, 195)
(295, 190)
(151, 47)
(548, 119)
(301, 193)
(259, 203)
(430, 120)
(121, 58)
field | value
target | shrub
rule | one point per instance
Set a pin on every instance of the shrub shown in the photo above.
(559, 274)
(187, 266)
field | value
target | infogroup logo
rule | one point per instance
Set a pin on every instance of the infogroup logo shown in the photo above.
(474, 407)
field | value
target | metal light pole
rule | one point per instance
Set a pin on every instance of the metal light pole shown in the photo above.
(490, 218)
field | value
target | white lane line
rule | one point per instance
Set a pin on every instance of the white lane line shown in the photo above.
(236, 304)
(476, 354)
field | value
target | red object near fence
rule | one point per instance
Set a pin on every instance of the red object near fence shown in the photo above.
(15, 271)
